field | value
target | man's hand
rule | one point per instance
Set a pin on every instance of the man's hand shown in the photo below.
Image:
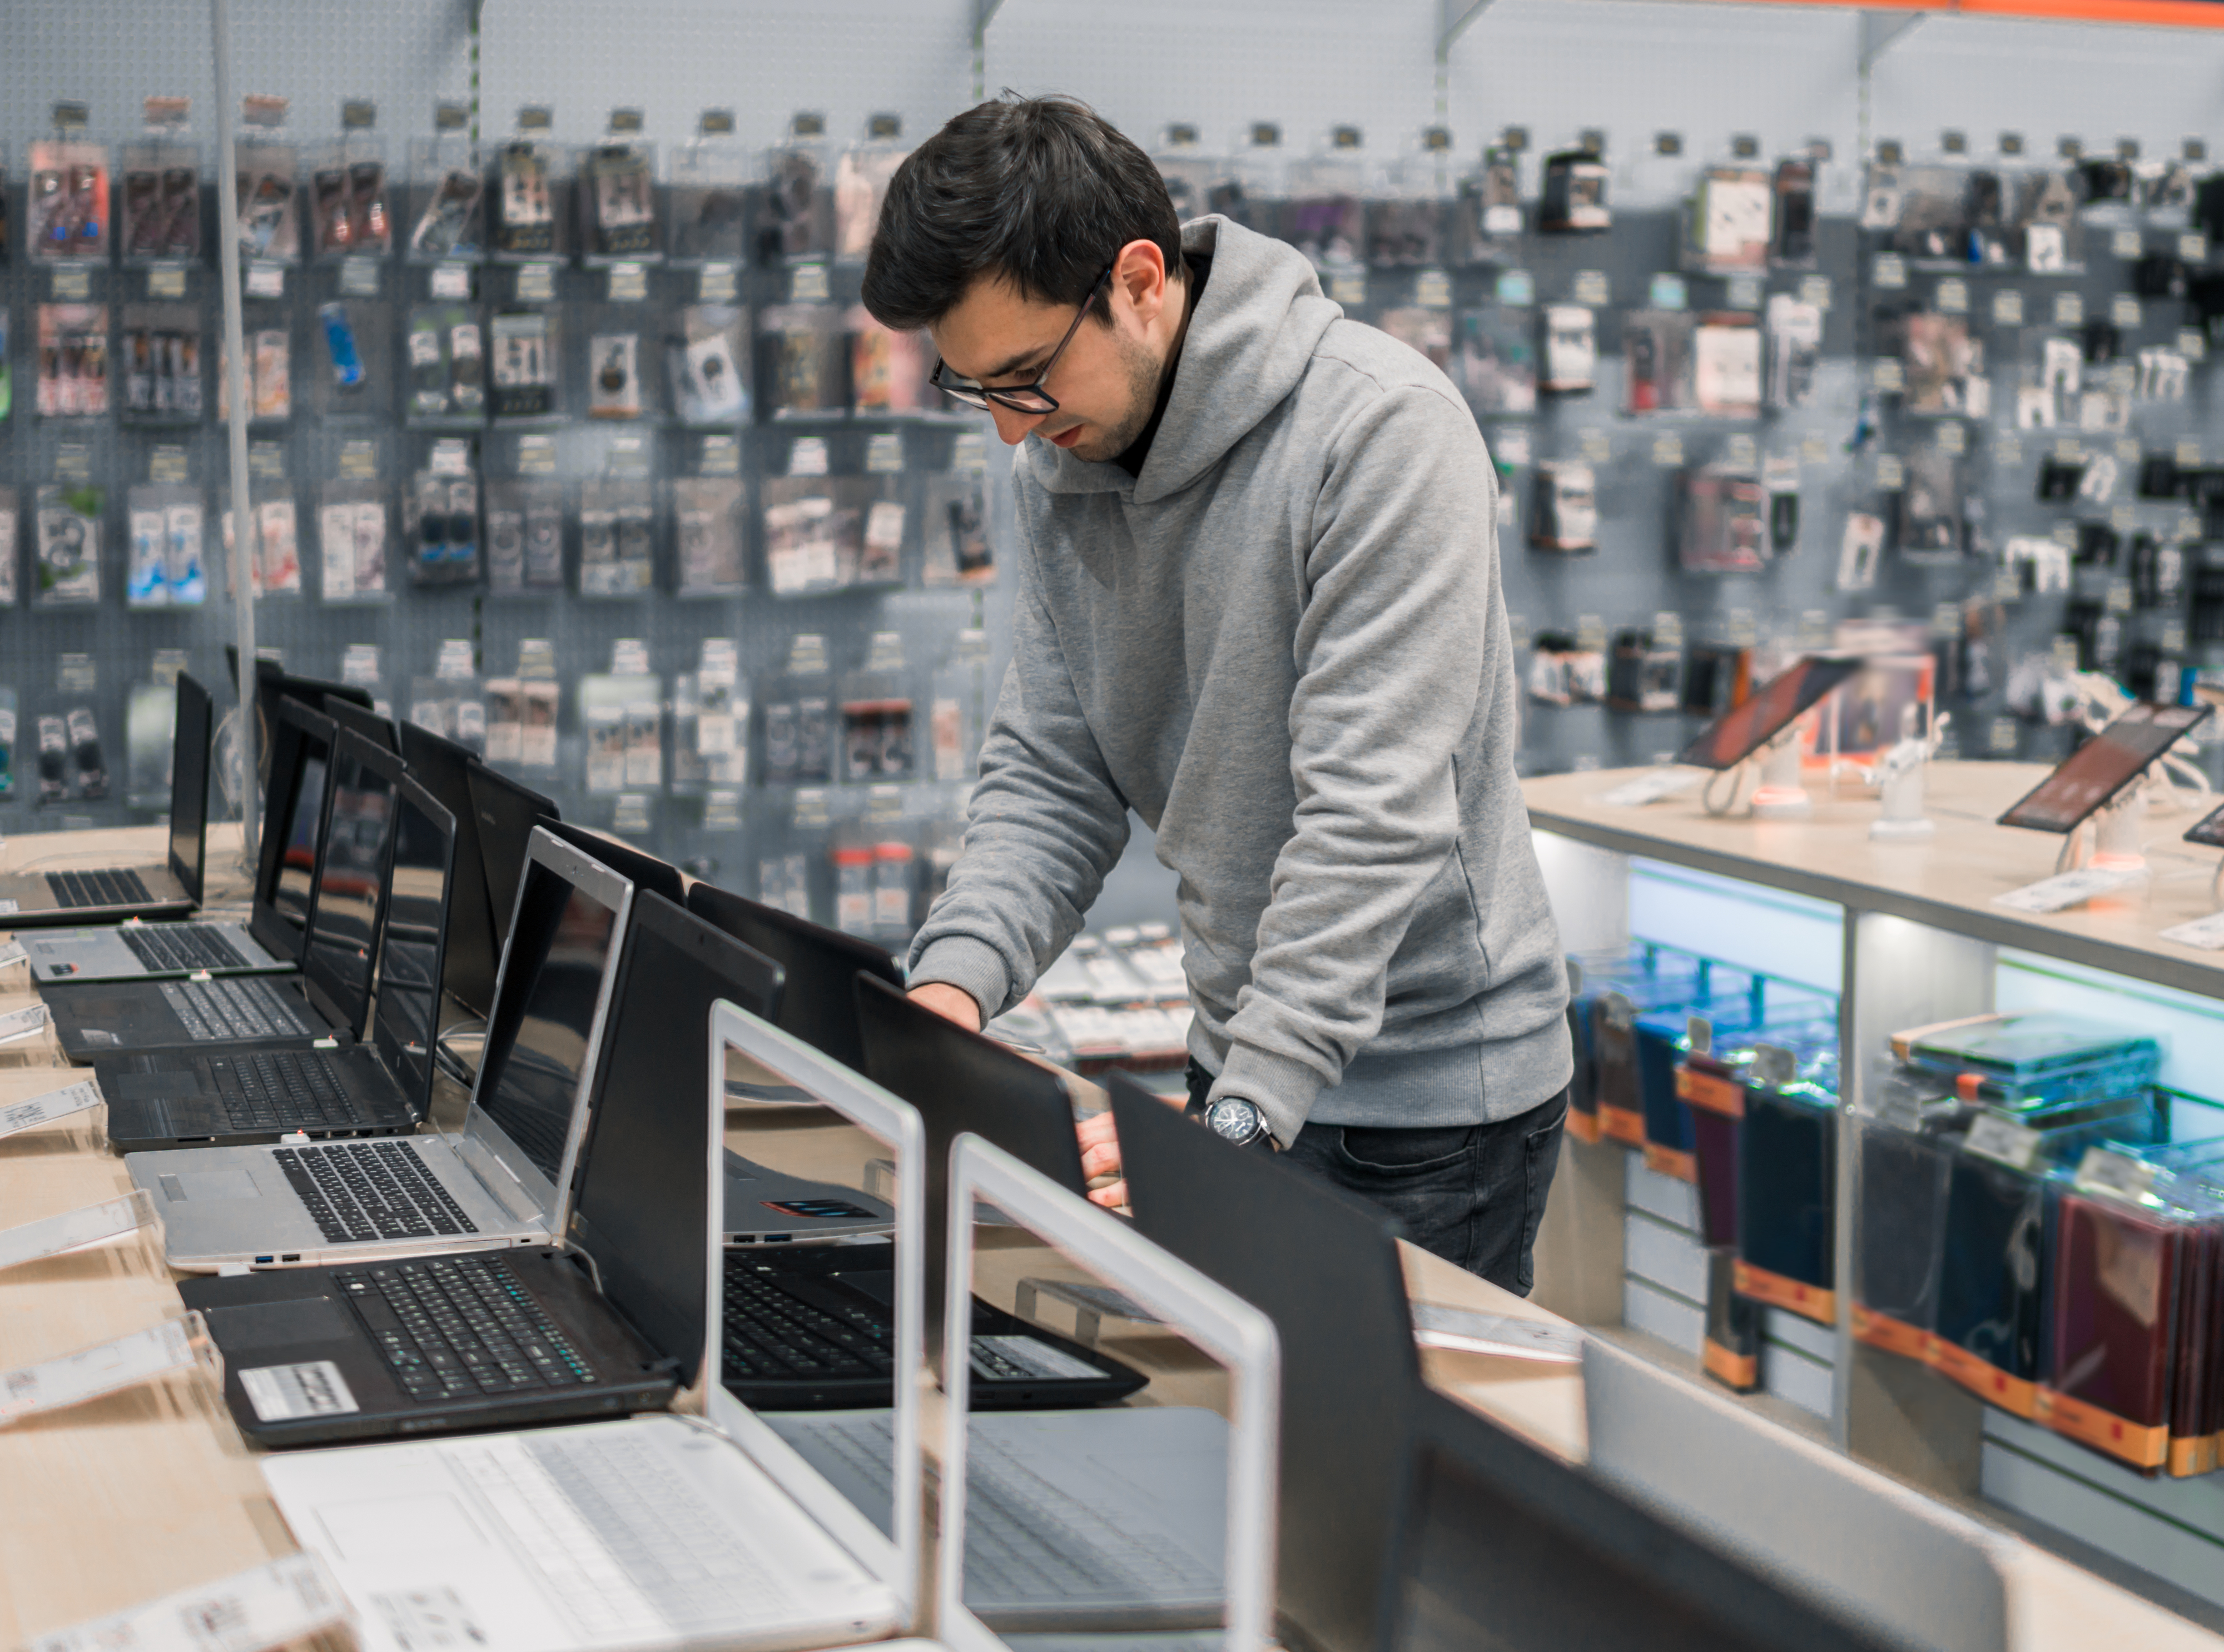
(951, 1002)
(1100, 1155)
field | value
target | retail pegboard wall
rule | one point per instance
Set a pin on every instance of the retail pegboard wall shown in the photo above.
(762, 59)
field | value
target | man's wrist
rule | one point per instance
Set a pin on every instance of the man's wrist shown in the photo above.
(1241, 1122)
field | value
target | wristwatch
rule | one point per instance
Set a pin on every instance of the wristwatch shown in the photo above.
(1240, 1122)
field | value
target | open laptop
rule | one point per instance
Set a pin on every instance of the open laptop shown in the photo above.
(610, 1321)
(274, 684)
(657, 1532)
(111, 894)
(501, 1180)
(380, 1087)
(96, 1018)
(506, 813)
(473, 952)
(1323, 1267)
(135, 951)
(363, 720)
(1862, 1548)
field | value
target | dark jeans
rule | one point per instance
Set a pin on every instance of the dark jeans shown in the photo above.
(1473, 1194)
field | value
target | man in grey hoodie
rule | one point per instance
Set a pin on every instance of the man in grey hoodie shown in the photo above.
(1259, 604)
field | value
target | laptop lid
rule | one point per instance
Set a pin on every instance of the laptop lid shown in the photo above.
(443, 768)
(292, 827)
(1509, 1547)
(189, 776)
(961, 1082)
(349, 905)
(420, 888)
(640, 1207)
(551, 999)
(819, 1003)
(1862, 1547)
(642, 870)
(274, 683)
(1163, 1300)
(1324, 1268)
(506, 813)
(852, 1131)
(361, 720)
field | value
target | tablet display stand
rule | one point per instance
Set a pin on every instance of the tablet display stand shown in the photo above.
(1902, 777)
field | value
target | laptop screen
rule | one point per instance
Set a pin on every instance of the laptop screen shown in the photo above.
(544, 1018)
(356, 720)
(643, 870)
(642, 1192)
(819, 1003)
(189, 760)
(420, 889)
(507, 814)
(443, 768)
(294, 809)
(344, 917)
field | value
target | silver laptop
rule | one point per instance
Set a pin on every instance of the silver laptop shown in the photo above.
(169, 888)
(662, 1531)
(1859, 1545)
(504, 1178)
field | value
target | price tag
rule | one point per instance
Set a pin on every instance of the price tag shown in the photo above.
(12, 953)
(1592, 287)
(808, 456)
(270, 1605)
(883, 804)
(1739, 451)
(2007, 451)
(2002, 735)
(1814, 290)
(1891, 474)
(359, 278)
(45, 1109)
(1890, 270)
(455, 663)
(2205, 934)
(89, 1373)
(969, 452)
(1650, 788)
(716, 284)
(1348, 289)
(2173, 636)
(168, 283)
(1594, 446)
(1668, 291)
(884, 454)
(1467, 1332)
(24, 1023)
(2117, 1174)
(1743, 293)
(629, 283)
(811, 807)
(2119, 599)
(630, 657)
(2193, 247)
(2126, 244)
(2124, 310)
(451, 457)
(1953, 297)
(536, 455)
(722, 811)
(2059, 893)
(1813, 450)
(2003, 1141)
(1888, 376)
(1432, 290)
(2069, 310)
(1953, 438)
(1668, 451)
(266, 281)
(452, 281)
(806, 284)
(72, 282)
(2007, 584)
(631, 814)
(1516, 287)
(166, 464)
(2007, 308)
(536, 283)
(75, 1229)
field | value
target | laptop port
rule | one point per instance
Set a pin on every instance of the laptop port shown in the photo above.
(291, 1256)
(266, 1258)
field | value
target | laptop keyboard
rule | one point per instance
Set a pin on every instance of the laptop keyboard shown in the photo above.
(217, 1012)
(371, 1191)
(284, 1089)
(181, 947)
(1024, 1539)
(624, 1545)
(106, 888)
(455, 1327)
(776, 1329)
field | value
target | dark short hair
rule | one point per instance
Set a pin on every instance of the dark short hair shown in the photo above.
(1041, 191)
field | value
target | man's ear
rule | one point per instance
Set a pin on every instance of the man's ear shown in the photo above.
(1140, 278)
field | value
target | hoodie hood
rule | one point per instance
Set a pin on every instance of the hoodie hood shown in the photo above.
(1249, 342)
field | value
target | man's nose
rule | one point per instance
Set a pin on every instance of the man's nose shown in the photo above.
(1012, 425)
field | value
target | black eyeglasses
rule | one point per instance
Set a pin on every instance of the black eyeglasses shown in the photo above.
(1030, 398)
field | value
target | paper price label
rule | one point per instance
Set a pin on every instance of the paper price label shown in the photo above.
(74, 1229)
(1591, 286)
(1953, 297)
(811, 808)
(2114, 1174)
(536, 284)
(1502, 1334)
(1814, 290)
(629, 657)
(1347, 289)
(89, 1373)
(1650, 788)
(716, 284)
(2127, 243)
(44, 1109)
(2207, 934)
(2003, 1141)
(1668, 451)
(2061, 892)
(270, 1605)
(2069, 310)
(1742, 293)
(1432, 290)
(451, 281)
(629, 283)
(2007, 308)
(12, 954)
(2124, 310)
(23, 1024)
(806, 284)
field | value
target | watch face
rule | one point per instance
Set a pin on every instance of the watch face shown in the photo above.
(1235, 1119)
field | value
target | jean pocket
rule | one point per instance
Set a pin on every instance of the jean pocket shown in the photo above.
(1540, 1158)
(1403, 1153)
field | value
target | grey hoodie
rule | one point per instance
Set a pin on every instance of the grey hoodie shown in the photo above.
(1284, 644)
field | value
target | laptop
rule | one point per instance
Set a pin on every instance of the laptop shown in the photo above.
(473, 952)
(1323, 1267)
(660, 1531)
(361, 720)
(610, 1321)
(95, 1018)
(507, 814)
(377, 1087)
(136, 951)
(111, 894)
(501, 1180)
(1860, 1546)
(274, 684)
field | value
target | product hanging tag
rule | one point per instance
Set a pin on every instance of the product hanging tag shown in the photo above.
(75, 1229)
(23, 1024)
(2003, 1141)
(2065, 890)
(273, 1605)
(90, 1372)
(1496, 1333)
(2117, 1174)
(2205, 933)
(19, 1116)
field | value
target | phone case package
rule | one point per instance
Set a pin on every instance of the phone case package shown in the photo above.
(349, 213)
(69, 524)
(161, 202)
(1907, 1146)
(707, 361)
(447, 367)
(2034, 1056)
(1711, 1090)
(528, 200)
(888, 370)
(1667, 1041)
(1674, 983)
(1992, 1268)
(1494, 361)
(159, 355)
(955, 512)
(1787, 1171)
(524, 535)
(1657, 350)
(805, 359)
(268, 180)
(72, 361)
(617, 536)
(706, 513)
(352, 542)
(617, 201)
(69, 199)
(707, 185)
(1730, 1349)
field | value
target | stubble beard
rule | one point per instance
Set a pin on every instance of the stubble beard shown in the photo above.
(1142, 371)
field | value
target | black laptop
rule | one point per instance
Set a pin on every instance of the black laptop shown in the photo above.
(355, 719)
(612, 1321)
(474, 952)
(382, 1086)
(507, 811)
(143, 1018)
(111, 894)
(274, 684)
(806, 1326)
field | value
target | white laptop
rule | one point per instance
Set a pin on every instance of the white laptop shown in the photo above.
(503, 1179)
(695, 1531)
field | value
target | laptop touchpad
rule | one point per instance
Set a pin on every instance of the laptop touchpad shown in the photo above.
(274, 1325)
(195, 1186)
(155, 1087)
